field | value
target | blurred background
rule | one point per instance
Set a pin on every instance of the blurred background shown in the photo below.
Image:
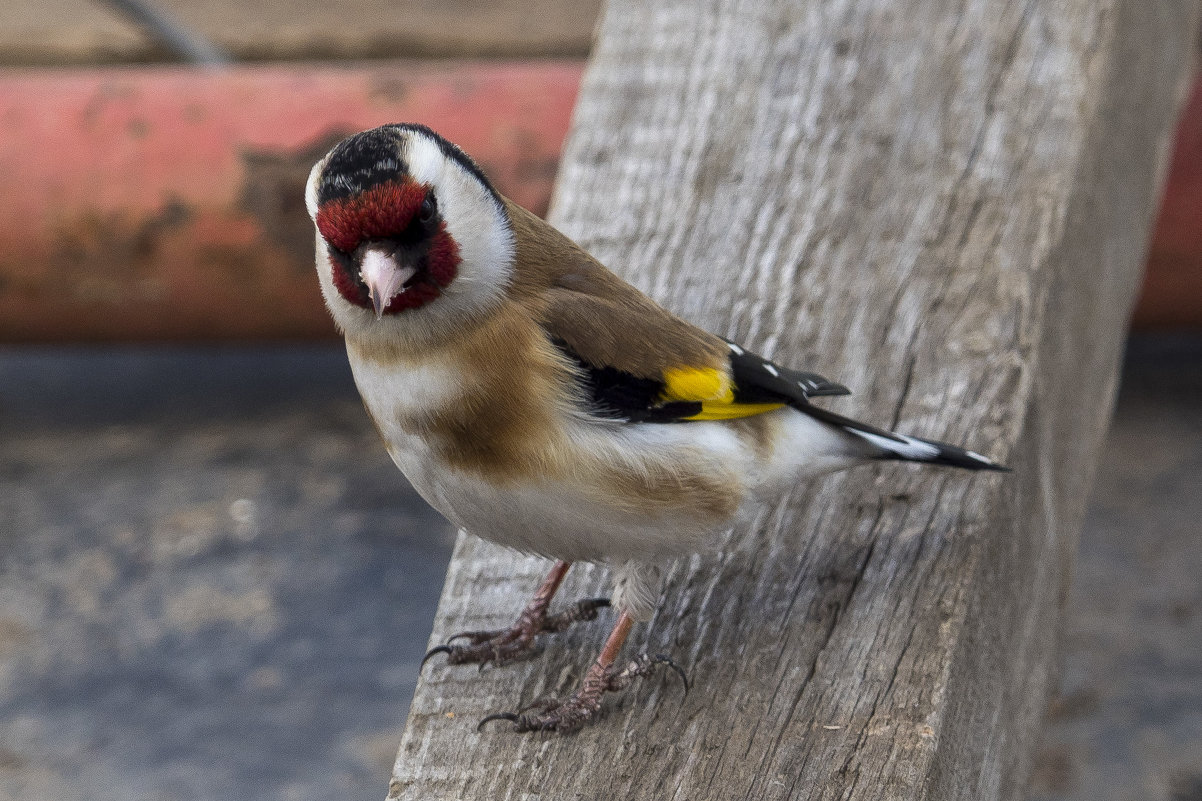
(213, 583)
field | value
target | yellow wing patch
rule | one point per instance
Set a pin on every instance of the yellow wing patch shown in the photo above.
(729, 411)
(713, 389)
(697, 384)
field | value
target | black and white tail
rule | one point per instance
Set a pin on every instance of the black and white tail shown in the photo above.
(890, 445)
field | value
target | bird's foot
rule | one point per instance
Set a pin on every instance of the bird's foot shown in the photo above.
(517, 641)
(570, 714)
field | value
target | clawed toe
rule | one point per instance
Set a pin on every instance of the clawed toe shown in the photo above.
(502, 647)
(474, 637)
(576, 613)
(517, 642)
(512, 717)
(641, 665)
(561, 718)
(584, 706)
(438, 649)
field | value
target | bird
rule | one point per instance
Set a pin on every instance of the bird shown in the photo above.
(537, 400)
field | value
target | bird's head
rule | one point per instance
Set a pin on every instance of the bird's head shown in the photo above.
(412, 239)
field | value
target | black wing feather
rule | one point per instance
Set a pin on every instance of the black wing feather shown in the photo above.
(618, 395)
(758, 380)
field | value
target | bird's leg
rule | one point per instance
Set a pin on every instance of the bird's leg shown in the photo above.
(517, 641)
(604, 675)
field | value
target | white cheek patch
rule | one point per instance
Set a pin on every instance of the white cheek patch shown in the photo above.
(426, 161)
(311, 187)
(473, 219)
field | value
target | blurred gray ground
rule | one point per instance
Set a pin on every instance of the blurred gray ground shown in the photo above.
(1127, 725)
(214, 585)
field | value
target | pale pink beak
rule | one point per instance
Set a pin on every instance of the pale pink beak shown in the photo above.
(385, 279)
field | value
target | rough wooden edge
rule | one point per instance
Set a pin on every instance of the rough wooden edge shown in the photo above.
(953, 223)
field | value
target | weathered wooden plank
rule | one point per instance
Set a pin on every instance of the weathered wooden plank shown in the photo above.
(945, 206)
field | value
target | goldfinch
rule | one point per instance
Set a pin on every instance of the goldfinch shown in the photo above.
(537, 400)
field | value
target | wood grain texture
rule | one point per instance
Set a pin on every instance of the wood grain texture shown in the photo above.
(942, 205)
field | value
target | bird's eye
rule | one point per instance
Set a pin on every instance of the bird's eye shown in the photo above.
(429, 208)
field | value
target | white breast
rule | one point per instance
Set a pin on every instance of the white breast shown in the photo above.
(587, 504)
(571, 512)
(393, 390)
